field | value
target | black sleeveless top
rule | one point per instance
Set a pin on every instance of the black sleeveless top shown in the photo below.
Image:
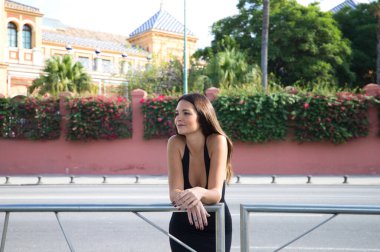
(200, 240)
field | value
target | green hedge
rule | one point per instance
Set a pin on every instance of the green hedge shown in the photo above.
(268, 117)
(249, 118)
(158, 114)
(336, 119)
(29, 118)
(256, 118)
(99, 118)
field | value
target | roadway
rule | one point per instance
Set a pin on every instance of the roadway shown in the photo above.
(126, 232)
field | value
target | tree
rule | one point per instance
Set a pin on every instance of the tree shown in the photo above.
(159, 78)
(305, 43)
(227, 68)
(360, 27)
(62, 74)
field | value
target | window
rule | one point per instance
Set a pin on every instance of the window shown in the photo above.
(12, 35)
(85, 61)
(106, 66)
(27, 37)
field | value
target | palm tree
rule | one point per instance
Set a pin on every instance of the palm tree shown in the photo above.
(62, 74)
(264, 45)
(227, 68)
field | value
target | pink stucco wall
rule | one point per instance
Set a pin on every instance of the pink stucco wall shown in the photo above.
(139, 156)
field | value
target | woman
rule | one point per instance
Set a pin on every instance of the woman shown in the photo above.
(199, 160)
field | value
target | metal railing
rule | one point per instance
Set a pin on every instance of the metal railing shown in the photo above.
(136, 209)
(335, 210)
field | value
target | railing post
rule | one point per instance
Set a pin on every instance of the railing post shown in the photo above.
(244, 229)
(220, 229)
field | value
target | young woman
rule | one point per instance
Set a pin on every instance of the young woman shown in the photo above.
(199, 160)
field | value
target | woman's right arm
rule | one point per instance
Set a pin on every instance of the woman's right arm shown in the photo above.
(174, 161)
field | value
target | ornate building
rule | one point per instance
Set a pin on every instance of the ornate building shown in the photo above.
(27, 40)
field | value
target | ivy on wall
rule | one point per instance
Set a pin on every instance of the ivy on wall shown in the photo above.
(158, 114)
(29, 118)
(98, 118)
(253, 118)
(263, 117)
(257, 118)
(336, 118)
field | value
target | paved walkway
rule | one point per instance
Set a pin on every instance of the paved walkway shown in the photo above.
(137, 179)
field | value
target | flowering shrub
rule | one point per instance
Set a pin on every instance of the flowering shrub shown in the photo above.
(29, 118)
(333, 118)
(99, 118)
(158, 116)
(254, 118)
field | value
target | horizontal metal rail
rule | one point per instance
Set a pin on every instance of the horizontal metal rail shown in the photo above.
(335, 210)
(58, 208)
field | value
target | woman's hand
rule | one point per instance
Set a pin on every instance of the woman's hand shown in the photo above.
(190, 200)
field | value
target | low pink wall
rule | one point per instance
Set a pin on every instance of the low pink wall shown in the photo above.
(139, 156)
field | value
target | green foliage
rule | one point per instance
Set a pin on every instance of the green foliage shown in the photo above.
(260, 116)
(359, 25)
(29, 118)
(164, 78)
(99, 118)
(331, 118)
(158, 113)
(61, 74)
(305, 43)
(254, 118)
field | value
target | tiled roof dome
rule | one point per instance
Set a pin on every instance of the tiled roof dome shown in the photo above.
(162, 21)
(350, 3)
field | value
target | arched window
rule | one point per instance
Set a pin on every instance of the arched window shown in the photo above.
(12, 35)
(27, 37)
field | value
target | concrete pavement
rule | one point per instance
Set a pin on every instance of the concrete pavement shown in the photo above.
(7, 180)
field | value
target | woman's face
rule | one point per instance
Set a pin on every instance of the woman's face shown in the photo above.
(186, 119)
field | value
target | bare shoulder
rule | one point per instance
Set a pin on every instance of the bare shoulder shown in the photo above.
(176, 142)
(215, 141)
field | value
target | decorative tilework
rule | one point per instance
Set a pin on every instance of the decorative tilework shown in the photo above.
(162, 21)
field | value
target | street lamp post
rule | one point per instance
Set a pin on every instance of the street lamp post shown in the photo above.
(184, 50)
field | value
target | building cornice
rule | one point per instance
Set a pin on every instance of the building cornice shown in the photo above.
(22, 8)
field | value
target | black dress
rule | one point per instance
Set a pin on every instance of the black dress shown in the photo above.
(199, 240)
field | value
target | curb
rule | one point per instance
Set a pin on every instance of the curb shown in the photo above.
(18, 180)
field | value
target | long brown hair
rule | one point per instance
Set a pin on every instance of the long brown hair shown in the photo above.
(209, 122)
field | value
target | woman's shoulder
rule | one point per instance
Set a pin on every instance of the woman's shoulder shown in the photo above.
(214, 140)
(177, 141)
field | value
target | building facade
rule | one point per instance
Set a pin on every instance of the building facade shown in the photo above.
(28, 39)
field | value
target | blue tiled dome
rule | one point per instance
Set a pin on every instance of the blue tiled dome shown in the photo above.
(350, 3)
(162, 21)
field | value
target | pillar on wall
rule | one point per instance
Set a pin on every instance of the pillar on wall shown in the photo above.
(63, 110)
(137, 116)
(212, 93)
(372, 90)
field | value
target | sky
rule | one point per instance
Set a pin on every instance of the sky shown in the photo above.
(123, 17)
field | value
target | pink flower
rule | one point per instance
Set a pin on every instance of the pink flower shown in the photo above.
(306, 105)
(159, 119)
